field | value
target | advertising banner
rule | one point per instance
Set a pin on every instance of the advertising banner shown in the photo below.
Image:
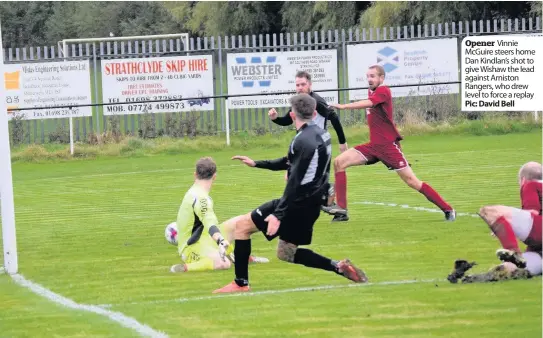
(406, 62)
(272, 72)
(143, 79)
(48, 84)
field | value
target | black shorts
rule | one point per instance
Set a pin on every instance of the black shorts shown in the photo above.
(295, 228)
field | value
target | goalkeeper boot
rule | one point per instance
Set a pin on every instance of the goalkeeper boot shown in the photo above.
(511, 256)
(349, 271)
(178, 268)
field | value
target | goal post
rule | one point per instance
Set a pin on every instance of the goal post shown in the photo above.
(65, 55)
(7, 207)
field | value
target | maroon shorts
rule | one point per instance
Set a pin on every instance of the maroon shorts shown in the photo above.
(533, 241)
(390, 154)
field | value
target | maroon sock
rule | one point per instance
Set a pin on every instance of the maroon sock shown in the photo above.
(341, 189)
(434, 197)
(504, 231)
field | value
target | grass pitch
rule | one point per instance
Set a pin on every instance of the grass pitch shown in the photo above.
(92, 231)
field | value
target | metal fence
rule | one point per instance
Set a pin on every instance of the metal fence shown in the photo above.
(46, 130)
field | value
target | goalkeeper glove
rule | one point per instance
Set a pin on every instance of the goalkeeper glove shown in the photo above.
(225, 248)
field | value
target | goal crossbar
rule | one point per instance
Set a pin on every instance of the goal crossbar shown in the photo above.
(184, 37)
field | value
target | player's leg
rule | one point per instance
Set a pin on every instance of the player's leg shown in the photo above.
(527, 228)
(393, 157)
(297, 230)
(201, 256)
(359, 155)
(228, 229)
(203, 264)
(291, 253)
(507, 228)
(245, 227)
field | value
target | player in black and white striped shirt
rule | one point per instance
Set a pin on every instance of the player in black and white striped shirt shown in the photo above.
(292, 217)
(324, 111)
(324, 114)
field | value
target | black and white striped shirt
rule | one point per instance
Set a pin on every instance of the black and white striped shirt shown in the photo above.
(324, 113)
(308, 165)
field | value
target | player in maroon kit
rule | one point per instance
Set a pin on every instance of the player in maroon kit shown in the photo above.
(383, 147)
(508, 223)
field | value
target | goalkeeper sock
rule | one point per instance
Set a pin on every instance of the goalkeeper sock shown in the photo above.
(314, 260)
(204, 264)
(242, 251)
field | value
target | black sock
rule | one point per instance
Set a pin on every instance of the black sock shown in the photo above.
(313, 260)
(242, 251)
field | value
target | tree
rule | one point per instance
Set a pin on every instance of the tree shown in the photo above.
(235, 18)
(384, 14)
(536, 8)
(304, 16)
(23, 22)
(148, 18)
(298, 16)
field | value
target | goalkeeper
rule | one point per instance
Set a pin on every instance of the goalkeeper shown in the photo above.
(203, 244)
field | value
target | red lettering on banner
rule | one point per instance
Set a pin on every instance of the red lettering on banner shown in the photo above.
(122, 68)
(175, 66)
(198, 65)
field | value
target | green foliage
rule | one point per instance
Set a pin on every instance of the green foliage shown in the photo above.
(234, 18)
(18, 132)
(385, 14)
(302, 16)
(536, 8)
(334, 14)
(47, 22)
(297, 16)
(382, 14)
(24, 22)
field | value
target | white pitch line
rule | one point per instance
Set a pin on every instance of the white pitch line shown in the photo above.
(118, 317)
(273, 292)
(405, 206)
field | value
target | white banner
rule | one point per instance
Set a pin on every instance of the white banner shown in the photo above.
(165, 78)
(48, 84)
(406, 62)
(272, 72)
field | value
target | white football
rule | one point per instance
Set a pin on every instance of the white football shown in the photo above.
(171, 233)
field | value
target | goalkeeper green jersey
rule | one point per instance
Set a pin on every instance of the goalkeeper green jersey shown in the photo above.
(195, 217)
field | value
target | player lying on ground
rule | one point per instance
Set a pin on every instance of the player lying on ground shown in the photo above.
(508, 223)
(384, 146)
(324, 114)
(292, 217)
(200, 239)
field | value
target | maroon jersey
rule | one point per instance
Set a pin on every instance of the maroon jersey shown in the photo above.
(380, 117)
(530, 196)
